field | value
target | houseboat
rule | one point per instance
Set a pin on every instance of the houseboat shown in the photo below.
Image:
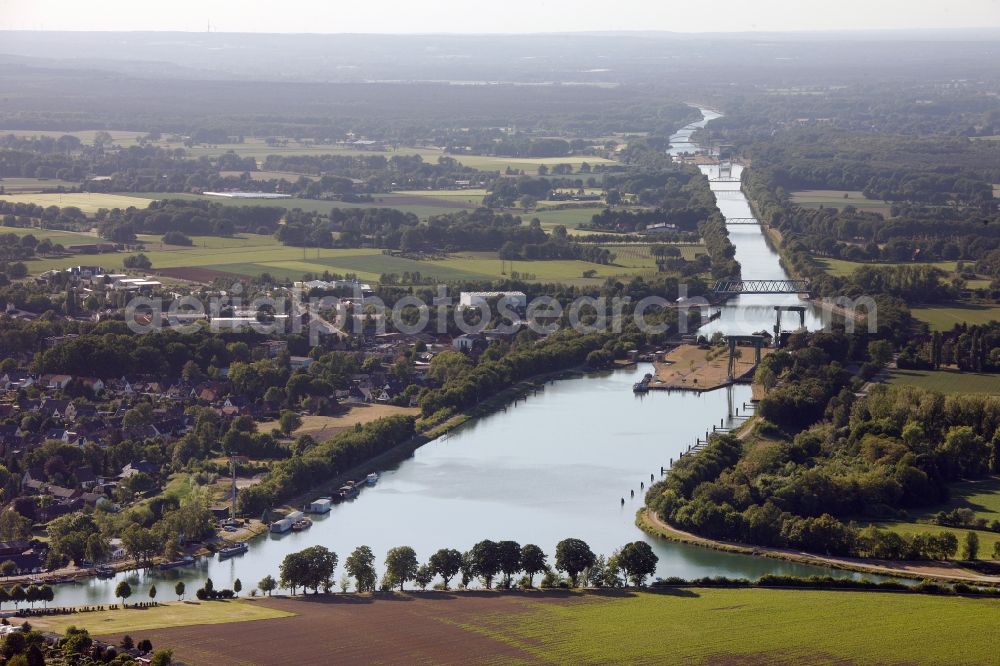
(285, 524)
(349, 490)
(301, 524)
(643, 385)
(235, 549)
(173, 564)
(322, 505)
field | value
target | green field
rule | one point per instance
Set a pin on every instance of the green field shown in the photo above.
(22, 185)
(987, 540)
(88, 202)
(627, 253)
(471, 194)
(268, 175)
(697, 626)
(981, 496)
(948, 381)
(836, 199)
(251, 254)
(944, 318)
(422, 206)
(123, 137)
(844, 268)
(259, 149)
(571, 218)
(56, 236)
(171, 614)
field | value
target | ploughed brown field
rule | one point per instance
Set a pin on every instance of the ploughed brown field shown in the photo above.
(350, 629)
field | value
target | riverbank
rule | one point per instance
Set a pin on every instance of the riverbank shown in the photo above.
(652, 524)
(396, 454)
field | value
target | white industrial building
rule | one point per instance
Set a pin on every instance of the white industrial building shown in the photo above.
(515, 299)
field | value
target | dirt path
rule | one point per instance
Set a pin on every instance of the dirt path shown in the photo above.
(947, 571)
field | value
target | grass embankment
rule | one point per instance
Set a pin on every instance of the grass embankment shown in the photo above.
(171, 614)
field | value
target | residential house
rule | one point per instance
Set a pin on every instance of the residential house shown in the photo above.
(33, 487)
(64, 494)
(358, 393)
(85, 477)
(78, 411)
(55, 382)
(29, 405)
(16, 379)
(94, 384)
(91, 499)
(27, 556)
(468, 341)
(60, 434)
(33, 474)
(143, 466)
(54, 408)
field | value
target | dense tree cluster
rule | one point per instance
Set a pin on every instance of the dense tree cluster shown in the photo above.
(968, 348)
(374, 173)
(324, 461)
(557, 352)
(479, 230)
(875, 457)
(188, 217)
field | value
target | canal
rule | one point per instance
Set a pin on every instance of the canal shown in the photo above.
(554, 465)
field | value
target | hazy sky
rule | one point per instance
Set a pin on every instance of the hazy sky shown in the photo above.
(409, 16)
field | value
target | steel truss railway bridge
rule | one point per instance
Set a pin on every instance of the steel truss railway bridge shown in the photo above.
(736, 287)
